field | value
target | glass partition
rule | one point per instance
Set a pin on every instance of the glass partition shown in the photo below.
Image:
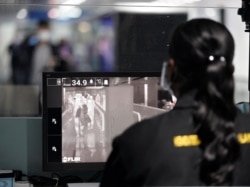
(87, 36)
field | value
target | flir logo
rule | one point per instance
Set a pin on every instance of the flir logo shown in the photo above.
(71, 159)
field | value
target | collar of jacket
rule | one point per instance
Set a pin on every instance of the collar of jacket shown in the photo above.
(187, 100)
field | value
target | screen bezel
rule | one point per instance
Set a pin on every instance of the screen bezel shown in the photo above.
(90, 166)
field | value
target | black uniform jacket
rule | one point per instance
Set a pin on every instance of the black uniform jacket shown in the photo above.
(163, 151)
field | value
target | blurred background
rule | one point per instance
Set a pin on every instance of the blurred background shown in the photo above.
(98, 36)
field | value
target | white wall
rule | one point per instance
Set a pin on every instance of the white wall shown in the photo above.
(241, 59)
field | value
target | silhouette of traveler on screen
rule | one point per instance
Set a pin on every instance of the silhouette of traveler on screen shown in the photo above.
(205, 139)
(85, 119)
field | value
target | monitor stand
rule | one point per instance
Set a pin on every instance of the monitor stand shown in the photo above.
(90, 184)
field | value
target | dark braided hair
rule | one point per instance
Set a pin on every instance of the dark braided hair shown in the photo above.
(203, 51)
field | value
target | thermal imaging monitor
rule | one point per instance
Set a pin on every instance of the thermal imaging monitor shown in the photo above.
(83, 112)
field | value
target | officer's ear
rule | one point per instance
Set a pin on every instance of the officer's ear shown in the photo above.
(170, 70)
(172, 76)
(232, 69)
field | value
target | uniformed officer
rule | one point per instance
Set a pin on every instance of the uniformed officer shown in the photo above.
(204, 140)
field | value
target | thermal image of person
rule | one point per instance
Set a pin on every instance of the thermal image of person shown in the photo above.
(77, 113)
(204, 139)
(91, 112)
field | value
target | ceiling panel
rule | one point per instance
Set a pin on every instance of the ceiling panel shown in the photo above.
(185, 3)
(95, 7)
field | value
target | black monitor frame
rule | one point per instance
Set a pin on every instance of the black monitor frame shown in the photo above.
(46, 115)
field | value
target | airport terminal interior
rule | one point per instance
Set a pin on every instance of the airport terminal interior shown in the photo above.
(98, 37)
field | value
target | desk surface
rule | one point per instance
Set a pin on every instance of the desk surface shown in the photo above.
(83, 184)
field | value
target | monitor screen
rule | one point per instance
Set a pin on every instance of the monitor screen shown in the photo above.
(83, 112)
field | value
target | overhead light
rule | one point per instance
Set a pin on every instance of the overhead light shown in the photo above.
(174, 2)
(157, 3)
(53, 13)
(156, 6)
(149, 9)
(65, 12)
(75, 12)
(73, 2)
(84, 27)
(22, 14)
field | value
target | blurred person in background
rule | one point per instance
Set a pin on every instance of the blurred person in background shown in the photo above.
(44, 53)
(105, 55)
(17, 74)
(34, 54)
(65, 58)
(204, 139)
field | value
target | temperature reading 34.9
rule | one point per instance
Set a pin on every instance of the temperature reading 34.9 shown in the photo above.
(76, 83)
